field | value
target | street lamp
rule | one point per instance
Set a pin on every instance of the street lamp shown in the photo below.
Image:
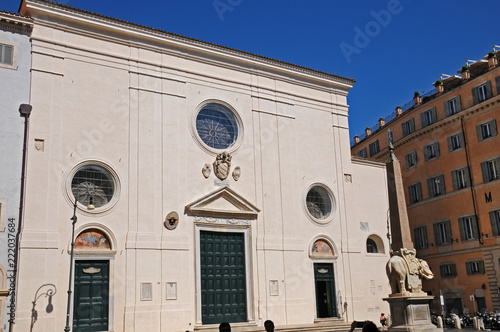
(67, 328)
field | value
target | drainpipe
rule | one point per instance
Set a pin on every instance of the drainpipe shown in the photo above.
(472, 191)
(25, 111)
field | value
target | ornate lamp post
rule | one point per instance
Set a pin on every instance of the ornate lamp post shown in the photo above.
(67, 328)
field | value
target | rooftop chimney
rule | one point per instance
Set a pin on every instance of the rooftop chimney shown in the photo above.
(381, 122)
(399, 110)
(356, 139)
(368, 131)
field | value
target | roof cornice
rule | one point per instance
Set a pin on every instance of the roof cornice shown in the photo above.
(29, 7)
(15, 23)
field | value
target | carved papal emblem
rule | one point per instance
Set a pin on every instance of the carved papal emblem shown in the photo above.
(222, 165)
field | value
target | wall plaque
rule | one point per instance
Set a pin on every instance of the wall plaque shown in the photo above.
(171, 221)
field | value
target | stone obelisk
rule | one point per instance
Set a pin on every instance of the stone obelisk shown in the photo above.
(408, 302)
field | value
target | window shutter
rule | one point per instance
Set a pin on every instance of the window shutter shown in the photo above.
(484, 169)
(419, 191)
(424, 232)
(429, 188)
(436, 145)
(449, 236)
(442, 269)
(412, 125)
(497, 81)
(493, 220)
(497, 165)
(404, 129)
(458, 103)
(426, 154)
(468, 268)
(475, 231)
(489, 93)
(481, 267)
(454, 180)
(442, 186)
(453, 270)
(446, 109)
(479, 133)
(462, 139)
(467, 177)
(407, 157)
(494, 130)
(436, 234)
(414, 153)
(434, 114)
(461, 227)
(450, 146)
(474, 95)
(423, 120)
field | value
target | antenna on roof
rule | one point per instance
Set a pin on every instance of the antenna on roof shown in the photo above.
(496, 48)
(471, 62)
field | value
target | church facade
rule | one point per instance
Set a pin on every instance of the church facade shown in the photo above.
(211, 185)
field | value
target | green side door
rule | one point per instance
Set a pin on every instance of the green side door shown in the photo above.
(91, 296)
(325, 290)
(223, 277)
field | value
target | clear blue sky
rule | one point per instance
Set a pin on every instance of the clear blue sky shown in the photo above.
(403, 53)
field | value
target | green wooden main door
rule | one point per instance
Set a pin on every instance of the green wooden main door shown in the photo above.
(223, 284)
(90, 304)
(325, 290)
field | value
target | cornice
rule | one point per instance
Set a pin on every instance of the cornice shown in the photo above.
(443, 123)
(144, 32)
(15, 23)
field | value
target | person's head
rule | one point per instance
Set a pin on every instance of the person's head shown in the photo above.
(224, 327)
(269, 325)
(370, 327)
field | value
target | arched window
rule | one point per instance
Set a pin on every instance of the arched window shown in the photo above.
(371, 246)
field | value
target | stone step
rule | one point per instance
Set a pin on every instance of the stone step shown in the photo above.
(333, 325)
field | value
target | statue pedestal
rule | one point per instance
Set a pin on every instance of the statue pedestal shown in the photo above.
(411, 314)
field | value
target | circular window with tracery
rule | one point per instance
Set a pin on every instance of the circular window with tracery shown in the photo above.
(94, 185)
(319, 203)
(217, 126)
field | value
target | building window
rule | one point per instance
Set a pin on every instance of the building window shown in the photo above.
(431, 151)
(490, 170)
(442, 233)
(390, 136)
(452, 106)
(436, 186)
(495, 222)
(460, 178)
(362, 153)
(468, 228)
(411, 159)
(319, 202)
(448, 270)
(408, 127)
(420, 237)
(93, 185)
(481, 92)
(415, 192)
(371, 246)
(6, 55)
(475, 267)
(486, 130)
(374, 148)
(456, 142)
(428, 117)
(217, 126)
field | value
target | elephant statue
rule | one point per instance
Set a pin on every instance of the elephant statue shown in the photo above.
(405, 273)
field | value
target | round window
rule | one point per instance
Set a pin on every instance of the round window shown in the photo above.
(93, 185)
(217, 126)
(319, 203)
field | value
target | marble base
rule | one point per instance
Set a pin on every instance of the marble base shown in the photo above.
(411, 314)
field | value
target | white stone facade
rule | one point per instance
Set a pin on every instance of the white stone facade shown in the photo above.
(126, 98)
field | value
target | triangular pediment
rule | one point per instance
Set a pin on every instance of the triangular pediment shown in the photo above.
(223, 202)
